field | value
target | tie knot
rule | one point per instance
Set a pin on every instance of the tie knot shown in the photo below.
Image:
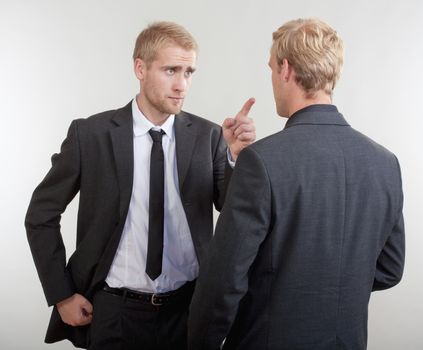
(156, 135)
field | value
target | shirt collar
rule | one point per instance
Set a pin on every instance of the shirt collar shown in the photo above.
(142, 125)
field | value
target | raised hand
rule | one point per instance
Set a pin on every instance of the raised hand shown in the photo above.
(239, 132)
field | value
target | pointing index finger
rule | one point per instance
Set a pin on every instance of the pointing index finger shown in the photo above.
(247, 106)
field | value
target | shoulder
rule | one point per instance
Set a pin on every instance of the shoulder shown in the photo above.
(268, 145)
(372, 144)
(105, 120)
(199, 122)
(260, 151)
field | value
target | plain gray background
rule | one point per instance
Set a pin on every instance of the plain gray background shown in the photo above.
(61, 60)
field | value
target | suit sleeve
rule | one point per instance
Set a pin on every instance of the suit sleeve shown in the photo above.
(42, 221)
(390, 263)
(223, 279)
(222, 172)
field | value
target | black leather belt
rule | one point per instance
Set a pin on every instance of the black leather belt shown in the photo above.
(181, 294)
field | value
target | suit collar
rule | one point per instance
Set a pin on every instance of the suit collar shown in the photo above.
(318, 114)
(123, 115)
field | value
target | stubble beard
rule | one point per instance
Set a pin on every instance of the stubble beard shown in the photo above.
(164, 105)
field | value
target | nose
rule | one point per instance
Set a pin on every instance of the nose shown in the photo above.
(180, 83)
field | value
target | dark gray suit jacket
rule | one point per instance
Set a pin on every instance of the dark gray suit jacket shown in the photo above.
(96, 159)
(312, 224)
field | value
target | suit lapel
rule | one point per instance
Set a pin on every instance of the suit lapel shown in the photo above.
(123, 151)
(185, 135)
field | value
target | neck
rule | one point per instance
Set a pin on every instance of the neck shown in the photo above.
(153, 115)
(302, 101)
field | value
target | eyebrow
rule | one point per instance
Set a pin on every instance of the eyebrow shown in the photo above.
(179, 68)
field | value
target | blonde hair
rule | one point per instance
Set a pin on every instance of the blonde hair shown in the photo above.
(159, 35)
(314, 50)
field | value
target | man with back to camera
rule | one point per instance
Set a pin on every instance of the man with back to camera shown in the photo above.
(148, 175)
(312, 222)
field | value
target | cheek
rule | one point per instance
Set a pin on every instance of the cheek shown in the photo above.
(273, 81)
(189, 82)
(164, 84)
(158, 87)
(274, 86)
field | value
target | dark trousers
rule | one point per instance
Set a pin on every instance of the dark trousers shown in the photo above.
(122, 323)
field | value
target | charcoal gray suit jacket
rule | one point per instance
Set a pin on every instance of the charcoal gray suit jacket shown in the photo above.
(311, 225)
(96, 160)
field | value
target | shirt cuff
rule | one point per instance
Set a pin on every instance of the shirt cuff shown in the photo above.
(230, 160)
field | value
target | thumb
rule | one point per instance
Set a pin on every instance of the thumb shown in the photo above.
(88, 307)
(228, 123)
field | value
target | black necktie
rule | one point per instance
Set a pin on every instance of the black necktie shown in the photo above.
(156, 209)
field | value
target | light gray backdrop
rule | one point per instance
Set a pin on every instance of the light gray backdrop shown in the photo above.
(61, 60)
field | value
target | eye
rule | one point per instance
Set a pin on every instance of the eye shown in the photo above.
(170, 71)
(188, 73)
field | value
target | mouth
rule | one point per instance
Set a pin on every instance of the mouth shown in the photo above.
(176, 101)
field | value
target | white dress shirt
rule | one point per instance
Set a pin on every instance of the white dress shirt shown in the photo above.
(179, 259)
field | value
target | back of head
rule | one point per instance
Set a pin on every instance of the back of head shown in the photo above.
(159, 35)
(314, 50)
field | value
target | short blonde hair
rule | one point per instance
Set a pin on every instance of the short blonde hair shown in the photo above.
(159, 35)
(315, 51)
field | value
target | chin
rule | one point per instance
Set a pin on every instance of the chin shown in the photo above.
(171, 109)
(175, 111)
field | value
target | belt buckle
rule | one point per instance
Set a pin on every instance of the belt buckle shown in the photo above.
(154, 302)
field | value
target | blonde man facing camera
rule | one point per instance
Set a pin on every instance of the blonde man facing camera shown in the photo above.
(312, 221)
(148, 175)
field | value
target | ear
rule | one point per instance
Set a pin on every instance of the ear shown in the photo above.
(140, 67)
(286, 70)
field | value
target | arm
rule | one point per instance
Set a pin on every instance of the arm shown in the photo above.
(223, 279)
(237, 133)
(390, 263)
(42, 221)
(222, 173)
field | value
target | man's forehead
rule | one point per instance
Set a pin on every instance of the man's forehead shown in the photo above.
(176, 54)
